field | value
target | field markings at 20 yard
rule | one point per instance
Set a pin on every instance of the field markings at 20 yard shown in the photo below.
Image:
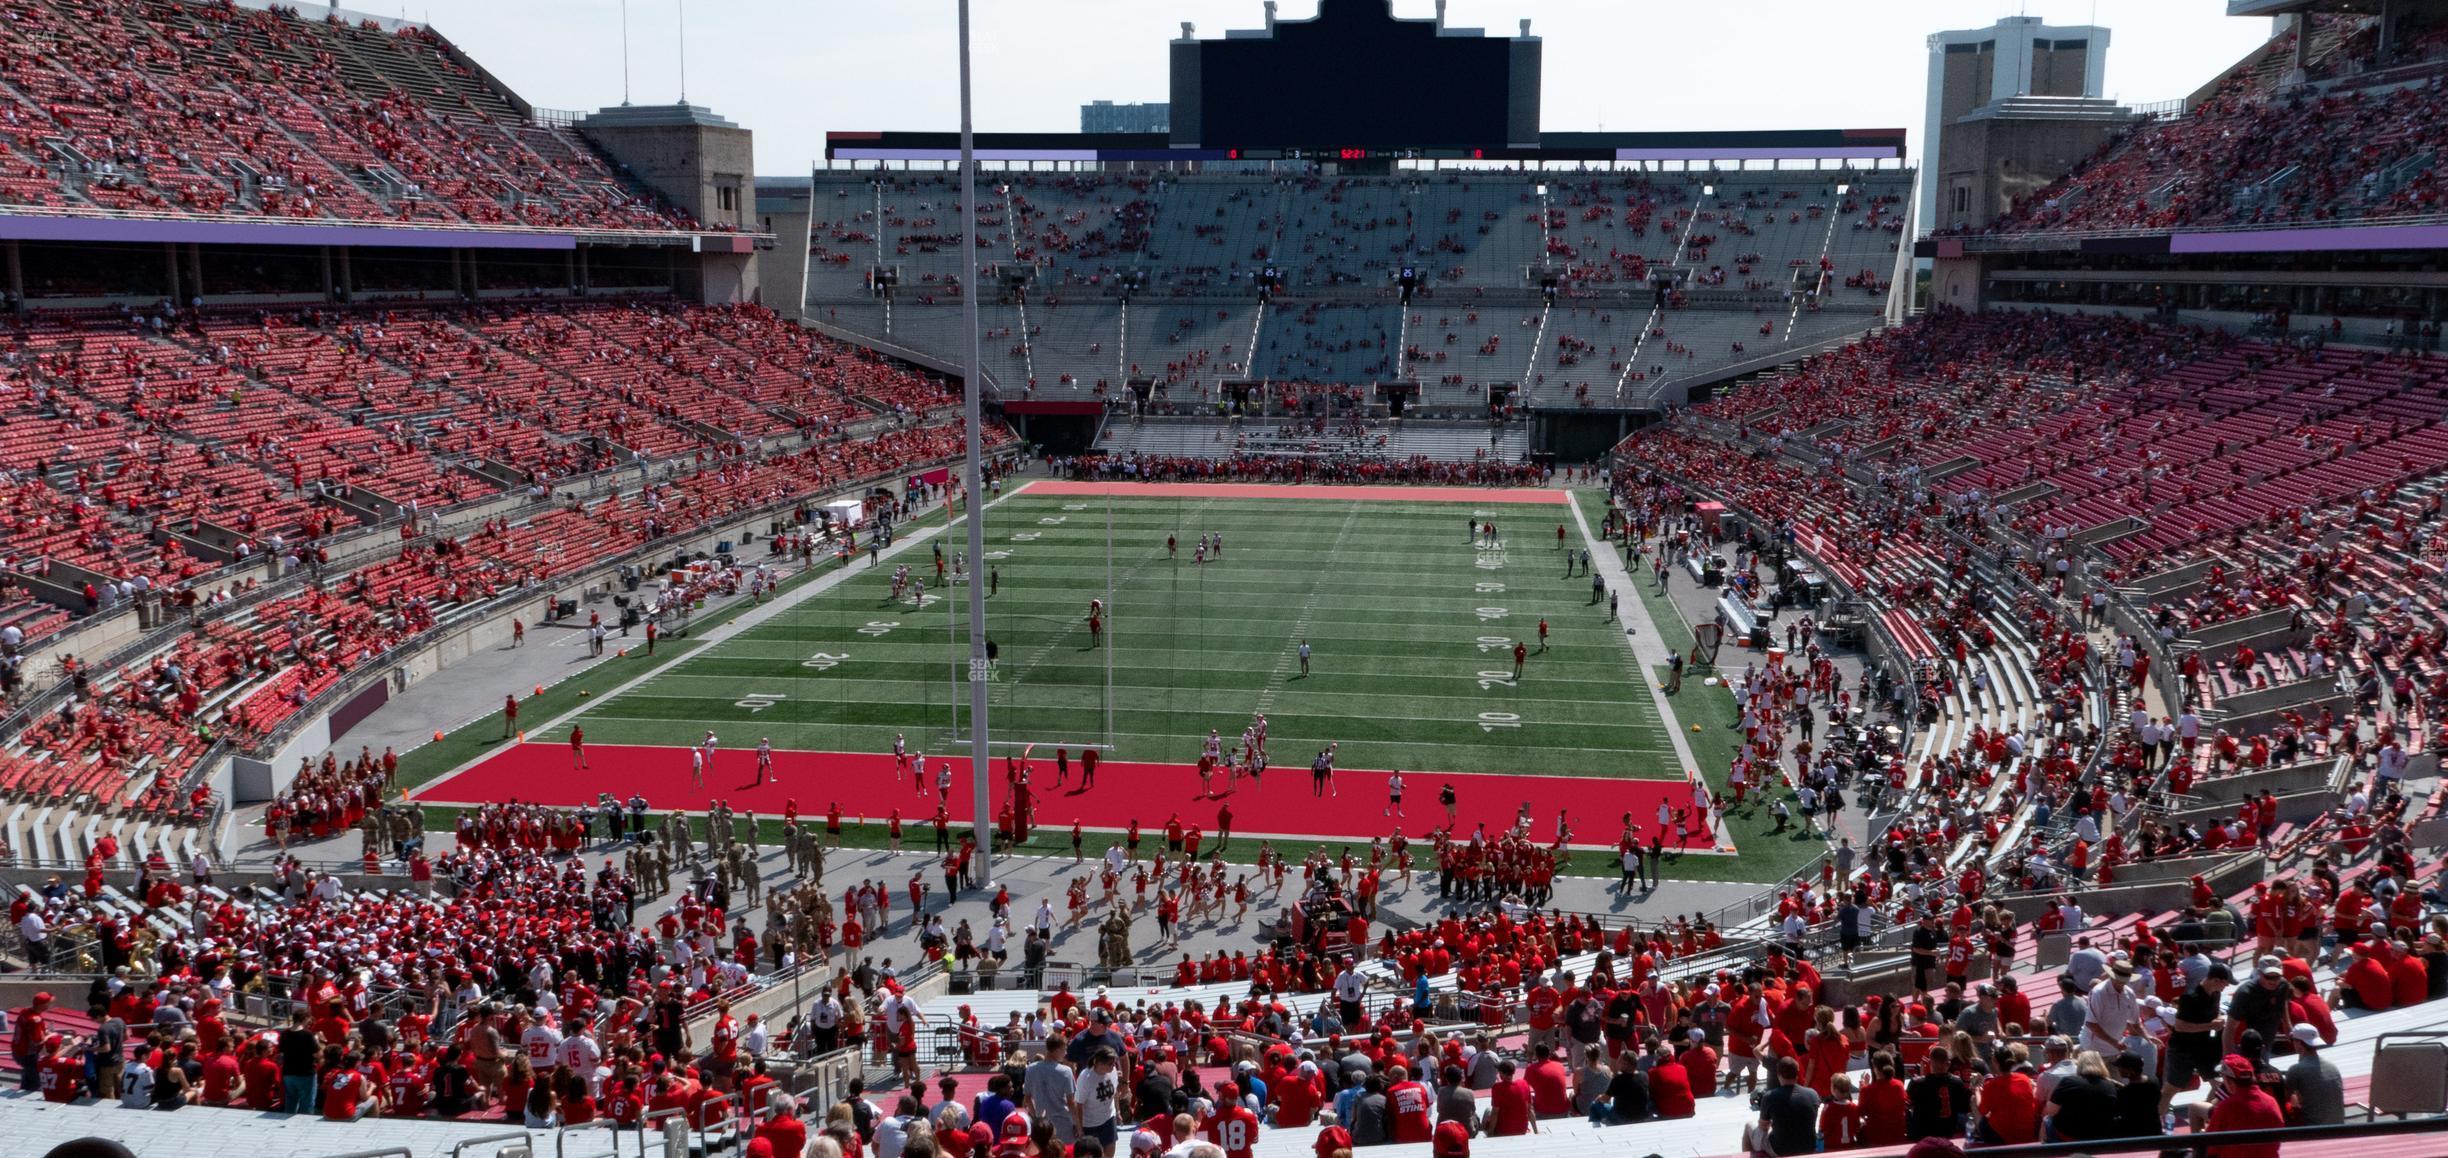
(1410, 619)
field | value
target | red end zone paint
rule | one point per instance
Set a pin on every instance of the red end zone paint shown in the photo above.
(1154, 490)
(864, 784)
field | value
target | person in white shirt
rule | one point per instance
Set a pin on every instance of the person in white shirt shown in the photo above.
(136, 1084)
(1349, 986)
(2113, 1010)
(36, 934)
(754, 1041)
(2072, 915)
(2392, 763)
(823, 1018)
(580, 1052)
(541, 1043)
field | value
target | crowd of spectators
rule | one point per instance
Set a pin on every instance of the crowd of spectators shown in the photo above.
(1296, 469)
(191, 109)
(2254, 152)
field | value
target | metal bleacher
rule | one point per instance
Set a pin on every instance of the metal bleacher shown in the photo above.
(1745, 249)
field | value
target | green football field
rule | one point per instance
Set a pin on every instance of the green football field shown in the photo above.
(1411, 629)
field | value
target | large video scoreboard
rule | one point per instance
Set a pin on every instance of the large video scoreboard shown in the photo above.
(1355, 78)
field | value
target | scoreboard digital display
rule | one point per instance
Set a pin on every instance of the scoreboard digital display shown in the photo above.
(1355, 83)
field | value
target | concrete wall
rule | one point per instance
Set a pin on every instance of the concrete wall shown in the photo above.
(781, 273)
(1997, 159)
(691, 165)
(1956, 282)
(725, 279)
(2155, 897)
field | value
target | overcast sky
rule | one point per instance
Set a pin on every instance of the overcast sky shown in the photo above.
(793, 69)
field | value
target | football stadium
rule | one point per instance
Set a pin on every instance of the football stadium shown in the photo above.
(533, 631)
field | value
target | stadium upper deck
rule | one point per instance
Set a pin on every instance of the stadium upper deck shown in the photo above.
(171, 108)
(2353, 136)
(1102, 279)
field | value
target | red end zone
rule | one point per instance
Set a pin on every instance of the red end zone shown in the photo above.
(1156, 490)
(868, 790)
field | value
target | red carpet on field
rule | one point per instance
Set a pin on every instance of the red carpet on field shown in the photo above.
(865, 786)
(1058, 488)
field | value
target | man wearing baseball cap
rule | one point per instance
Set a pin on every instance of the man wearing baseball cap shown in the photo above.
(33, 1025)
(2313, 1083)
(2245, 1106)
(2260, 1005)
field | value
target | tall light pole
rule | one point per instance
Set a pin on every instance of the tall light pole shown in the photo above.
(981, 821)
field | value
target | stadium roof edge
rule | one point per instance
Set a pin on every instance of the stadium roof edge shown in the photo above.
(310, 10)
(1700, 145)
(20, 225)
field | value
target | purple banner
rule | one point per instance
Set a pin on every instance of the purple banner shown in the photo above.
(27, 227)
(2304, 240)
(1708, 152)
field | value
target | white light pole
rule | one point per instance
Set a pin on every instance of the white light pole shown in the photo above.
(981, 821)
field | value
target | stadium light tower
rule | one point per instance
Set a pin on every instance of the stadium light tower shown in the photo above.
(981, 820)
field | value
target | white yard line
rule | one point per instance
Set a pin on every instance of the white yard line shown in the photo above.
(1643, 646)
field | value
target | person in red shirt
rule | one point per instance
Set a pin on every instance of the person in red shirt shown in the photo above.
(1823, 1058)
(1232, 1127)
(2409, 976)
(623, 1103)
(221, 1077)
(1409, 1106)
(33, 1025)
(1541, 1004)
(2013, 1006)
(261, 1067)
(2245, 1106)
(2367, 983)
(2010, 1102)
(1297, 1096)
(346, 1093)
(1550, 1084)
(1883, 1104)
(1699, 1064)
(407, 1086)
(1840, 1118)
(1670, 1087)
(62, 1073)
(784, 1130)
(1509, 1104)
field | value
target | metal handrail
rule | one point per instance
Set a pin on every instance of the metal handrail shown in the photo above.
(489, 1139)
